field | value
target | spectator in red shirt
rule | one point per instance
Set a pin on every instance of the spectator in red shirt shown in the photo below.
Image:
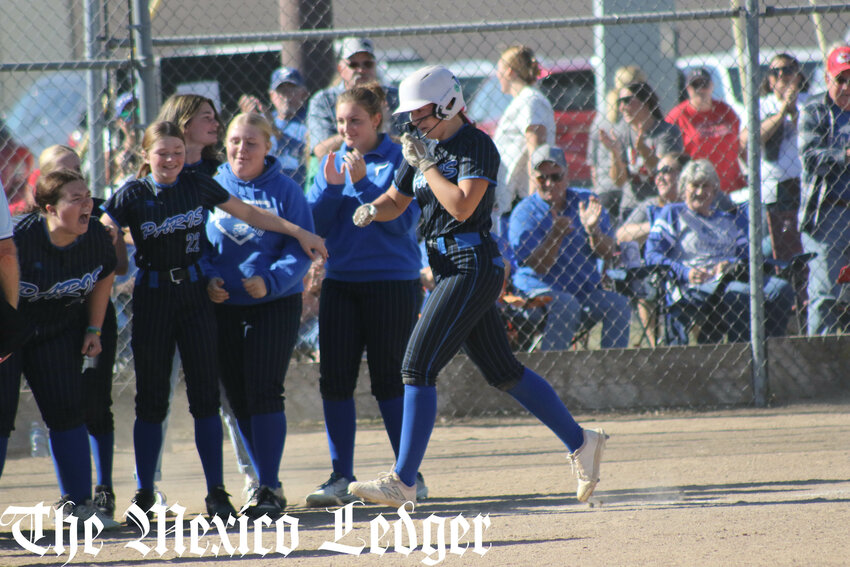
(709, 129)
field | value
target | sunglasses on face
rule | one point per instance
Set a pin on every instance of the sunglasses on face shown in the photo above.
(552, 178)
(626, 99)
(666, 169)
(786, 70)
(365, 65)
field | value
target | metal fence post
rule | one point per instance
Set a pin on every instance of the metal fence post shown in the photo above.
(757, 338)
(94, 103)
(142, 37)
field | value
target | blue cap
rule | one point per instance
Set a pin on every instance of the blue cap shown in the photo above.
(123, 100)
(286, 75)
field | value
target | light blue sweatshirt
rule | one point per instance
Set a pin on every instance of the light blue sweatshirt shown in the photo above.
(379, 251)
(239, 250)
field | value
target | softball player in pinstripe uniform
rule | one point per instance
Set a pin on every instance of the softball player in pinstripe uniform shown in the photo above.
(201, 126)
(98, 377)
(165, 211)
(255, 278)
(452, 176)
(371, 295)
(67, 266)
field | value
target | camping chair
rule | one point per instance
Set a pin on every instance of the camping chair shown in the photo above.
(787, 246)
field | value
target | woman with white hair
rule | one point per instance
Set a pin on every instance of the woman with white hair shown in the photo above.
(700, 243)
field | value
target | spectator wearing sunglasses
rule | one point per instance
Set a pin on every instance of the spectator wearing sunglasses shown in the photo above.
(782, 93)
(597, 155)
(636, 228)
(357, 66)
(710, 129)
(558, 234)
(824, 145)
(636, 143)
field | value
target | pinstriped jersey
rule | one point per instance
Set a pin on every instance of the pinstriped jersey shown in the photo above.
(167, 223)
(206, 166)
(469, 154)
(56, 281)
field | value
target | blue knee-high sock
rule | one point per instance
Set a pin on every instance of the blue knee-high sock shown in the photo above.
(147, 443)
(420, 411)
(4, 445)
(392, 411)
(538, 397)
(70, 450)
(341, 426)
(63, 489)
(103, 449)
(269, 431)
(209, 437)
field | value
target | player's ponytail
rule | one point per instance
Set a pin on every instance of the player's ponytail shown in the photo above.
(521, 60)
(154, 133)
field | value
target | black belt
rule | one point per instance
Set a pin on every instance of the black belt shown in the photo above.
(461, 240)
(174, 275)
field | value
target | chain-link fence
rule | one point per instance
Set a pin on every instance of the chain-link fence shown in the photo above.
(634, 90)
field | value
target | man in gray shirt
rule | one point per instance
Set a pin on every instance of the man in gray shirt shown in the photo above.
(357, 66)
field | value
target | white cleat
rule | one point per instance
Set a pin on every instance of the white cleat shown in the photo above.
(387, 489)
(585, 462)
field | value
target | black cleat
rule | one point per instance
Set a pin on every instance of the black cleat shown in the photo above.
(218, 503)
(269, 502)
(104, 500)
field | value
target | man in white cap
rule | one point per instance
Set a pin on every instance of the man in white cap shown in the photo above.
(357, 66)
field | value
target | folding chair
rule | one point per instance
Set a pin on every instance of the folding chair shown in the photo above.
(787, 246)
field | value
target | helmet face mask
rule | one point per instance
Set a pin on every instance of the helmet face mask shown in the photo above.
(431, 85)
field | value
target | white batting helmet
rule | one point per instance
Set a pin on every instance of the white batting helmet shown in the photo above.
(434, 84)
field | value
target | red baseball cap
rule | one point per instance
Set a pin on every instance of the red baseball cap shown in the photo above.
(838, 61)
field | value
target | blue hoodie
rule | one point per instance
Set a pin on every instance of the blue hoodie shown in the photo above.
(380, 251)
(239, 250)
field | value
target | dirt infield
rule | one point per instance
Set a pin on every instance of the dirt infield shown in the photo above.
(737, 487)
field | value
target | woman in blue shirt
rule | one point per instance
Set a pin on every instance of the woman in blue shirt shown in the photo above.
(371, 294)
(255, 279)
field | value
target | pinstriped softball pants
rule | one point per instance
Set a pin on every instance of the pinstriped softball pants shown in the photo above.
(377, 316)
(461, 312)
(255, 345)
(52, 361)
(168, 315)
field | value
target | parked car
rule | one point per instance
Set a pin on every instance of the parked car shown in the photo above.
(16, 164)
(570, 86)
(50, 110)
